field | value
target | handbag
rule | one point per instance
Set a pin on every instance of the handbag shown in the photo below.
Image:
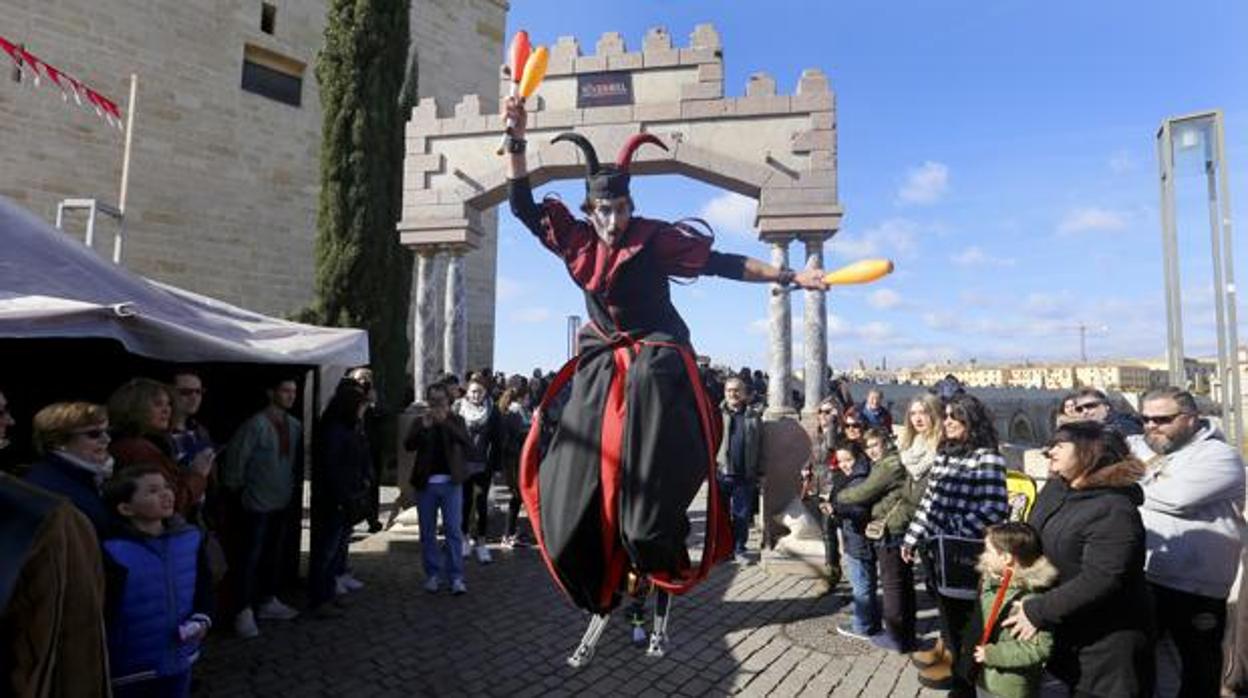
(876, 528)
(955, 566)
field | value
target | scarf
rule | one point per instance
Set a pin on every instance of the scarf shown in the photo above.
(474, 415)
(918, 458)
(101, 471)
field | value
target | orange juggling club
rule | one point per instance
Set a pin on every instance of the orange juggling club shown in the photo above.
(528, 67)
(519, 55)
(861, 272)
(534, 71)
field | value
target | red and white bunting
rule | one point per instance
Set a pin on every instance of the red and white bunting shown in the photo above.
(36, 69)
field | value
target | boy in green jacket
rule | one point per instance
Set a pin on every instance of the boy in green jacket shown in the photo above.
(1007, 667)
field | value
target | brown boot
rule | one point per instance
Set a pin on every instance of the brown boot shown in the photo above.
(925, 658)
(938, 676)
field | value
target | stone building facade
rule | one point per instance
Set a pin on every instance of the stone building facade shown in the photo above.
(224, 180)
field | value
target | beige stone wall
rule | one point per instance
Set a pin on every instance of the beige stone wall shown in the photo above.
(224, 182)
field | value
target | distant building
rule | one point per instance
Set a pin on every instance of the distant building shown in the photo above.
(1120, 376)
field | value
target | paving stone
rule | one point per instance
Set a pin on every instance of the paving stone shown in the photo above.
(742, 631)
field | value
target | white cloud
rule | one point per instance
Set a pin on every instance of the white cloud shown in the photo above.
(532, 315)
(1092, 219)
(974, 256)
(925, 184)
(895, 236)
(884, 299)
(730, 212)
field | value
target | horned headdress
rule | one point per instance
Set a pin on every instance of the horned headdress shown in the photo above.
(608, 181)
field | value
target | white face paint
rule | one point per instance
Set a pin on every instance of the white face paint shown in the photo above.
(609, 217)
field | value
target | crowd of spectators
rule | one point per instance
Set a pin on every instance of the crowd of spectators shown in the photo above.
(1138, 513)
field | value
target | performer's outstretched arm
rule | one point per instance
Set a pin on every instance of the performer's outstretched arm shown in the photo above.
(742, 268)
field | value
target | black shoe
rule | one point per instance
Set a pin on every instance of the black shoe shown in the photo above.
(374, 526)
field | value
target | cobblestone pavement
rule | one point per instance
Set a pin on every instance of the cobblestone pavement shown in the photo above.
(740, 632)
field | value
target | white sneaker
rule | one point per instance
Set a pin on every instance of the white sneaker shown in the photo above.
(245, 624)
(276, 610)
(433, 585)
(483, 555)
(340, 587)
(468, 545)
(458, 587)
(350, 583)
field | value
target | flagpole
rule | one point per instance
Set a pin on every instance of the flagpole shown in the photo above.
(125, 157)
(125, 170)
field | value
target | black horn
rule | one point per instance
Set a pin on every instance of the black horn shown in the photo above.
(591, 157)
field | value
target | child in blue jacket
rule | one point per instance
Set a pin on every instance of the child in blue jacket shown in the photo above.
(159, 588)
(858, 552)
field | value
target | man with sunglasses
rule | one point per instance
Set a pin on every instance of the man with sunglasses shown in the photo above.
(1192, 512)
(189, 436)
(1092, 405)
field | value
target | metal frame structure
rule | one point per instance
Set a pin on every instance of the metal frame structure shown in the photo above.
(94, 207)
(1209, 125)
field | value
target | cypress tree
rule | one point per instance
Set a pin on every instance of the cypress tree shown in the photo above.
(363, 274)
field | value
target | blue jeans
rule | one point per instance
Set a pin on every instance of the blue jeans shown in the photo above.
(863, 579)
(449, 498)
(740, 494)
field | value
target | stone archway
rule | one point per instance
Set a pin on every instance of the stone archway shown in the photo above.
(778, 149)
(1021, 430)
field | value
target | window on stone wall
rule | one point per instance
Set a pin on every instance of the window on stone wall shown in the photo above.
(270, 74)
(268, 17)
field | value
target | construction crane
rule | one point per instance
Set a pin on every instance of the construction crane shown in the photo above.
(1083, 328)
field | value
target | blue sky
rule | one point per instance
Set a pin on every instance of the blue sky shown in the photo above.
(1001, 152)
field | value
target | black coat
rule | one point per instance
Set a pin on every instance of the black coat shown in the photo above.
(342, 469)
(59, 476)
(1099, 611)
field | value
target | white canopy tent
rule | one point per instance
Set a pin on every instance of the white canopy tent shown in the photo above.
(53, 286)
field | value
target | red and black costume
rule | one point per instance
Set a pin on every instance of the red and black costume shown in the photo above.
(638, 435)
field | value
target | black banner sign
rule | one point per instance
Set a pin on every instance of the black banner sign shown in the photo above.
(603, 90)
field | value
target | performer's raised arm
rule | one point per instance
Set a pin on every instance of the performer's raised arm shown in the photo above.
(519, 192)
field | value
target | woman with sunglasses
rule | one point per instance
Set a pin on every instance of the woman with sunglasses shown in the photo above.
(1091, 530)
(142, 416)
(965, 494)
(72, 439)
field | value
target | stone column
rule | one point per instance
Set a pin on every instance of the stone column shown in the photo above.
(455, 331)
(780, 324)
(424, 323)
(816, 332)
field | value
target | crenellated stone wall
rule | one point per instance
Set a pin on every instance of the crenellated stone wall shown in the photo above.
(779, 149)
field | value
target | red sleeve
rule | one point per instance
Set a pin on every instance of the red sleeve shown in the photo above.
(682, 251)
(561, 232)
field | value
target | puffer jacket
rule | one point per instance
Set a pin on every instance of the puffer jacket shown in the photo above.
(155, 585)
(1193, 499)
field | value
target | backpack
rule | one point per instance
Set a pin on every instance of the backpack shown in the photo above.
(1020, 493)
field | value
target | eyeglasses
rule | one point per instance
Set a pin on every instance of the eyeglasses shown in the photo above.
(1160, 419)
(1087, 406)
(853, 425)
(188, 392)
(95, 434)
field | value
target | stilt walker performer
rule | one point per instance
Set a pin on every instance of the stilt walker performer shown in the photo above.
(637, 437)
